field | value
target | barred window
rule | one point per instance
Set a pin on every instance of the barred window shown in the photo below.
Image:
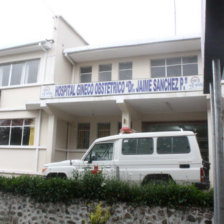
(19, 73)
(103, 130)
(178, 66)
(105, 72)
(85, 74)
(125, 71)
(17, 132)
(83, 135)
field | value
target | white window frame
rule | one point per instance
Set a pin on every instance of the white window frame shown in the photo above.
(166, 66)
(22, 80)
(100, 72)
(86, 73)
(130, 69)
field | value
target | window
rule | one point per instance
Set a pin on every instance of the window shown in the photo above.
(85, 74)
(137, 146)
(125, 71)
(173, 145)
(83, 135)
(19, 73)
(17, 132)
(105, 72)
(103, 129)
(100, 152)
(179, 66)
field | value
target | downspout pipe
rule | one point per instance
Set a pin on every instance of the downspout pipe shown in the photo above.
(38, 141)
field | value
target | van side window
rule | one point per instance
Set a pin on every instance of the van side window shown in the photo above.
(137, 146)
(173, 145)
(100, 152)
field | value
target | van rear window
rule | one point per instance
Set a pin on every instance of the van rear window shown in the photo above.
(173, 145)
(137, 146)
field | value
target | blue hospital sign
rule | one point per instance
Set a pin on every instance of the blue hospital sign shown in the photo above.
(156, 85)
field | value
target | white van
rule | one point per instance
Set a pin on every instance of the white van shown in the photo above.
(140, 157)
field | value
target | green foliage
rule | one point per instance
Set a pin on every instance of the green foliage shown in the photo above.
(96, 187)
(99, 216)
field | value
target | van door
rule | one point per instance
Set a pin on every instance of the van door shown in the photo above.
(100, 159)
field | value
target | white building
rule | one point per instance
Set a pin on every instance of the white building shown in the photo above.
(58, 95)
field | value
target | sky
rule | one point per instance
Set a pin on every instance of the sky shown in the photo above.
(99, 21)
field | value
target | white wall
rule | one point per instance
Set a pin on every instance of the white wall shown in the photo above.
(141, 66)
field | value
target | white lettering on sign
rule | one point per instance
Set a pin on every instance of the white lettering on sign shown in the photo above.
(156, 85)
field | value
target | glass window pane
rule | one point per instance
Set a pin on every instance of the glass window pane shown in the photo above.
(158, 62)
(145, 146)
(103, 68)
(4, 75)
(157, 72)
(104, 76)
(28, 136)
(164, 145)
(190, 69)
(16, 136)
(125, 75)
(180, 145)
(17, 122)
(129, 146)
(85, 78)
(125, 65)
(101, 152)
(5, 122)
(83, 136)
(16, 74)
(4, 135)
(190, 59)
(31, 71)
(174, 71)
(86, 69)
(173, 61)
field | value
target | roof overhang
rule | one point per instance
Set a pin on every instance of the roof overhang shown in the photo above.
(27, 48)
(213, 41)
(94, 53)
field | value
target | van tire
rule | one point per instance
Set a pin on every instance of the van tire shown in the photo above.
(57, 175)
(163, 179)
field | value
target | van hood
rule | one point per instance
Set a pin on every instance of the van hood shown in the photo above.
(65, 163)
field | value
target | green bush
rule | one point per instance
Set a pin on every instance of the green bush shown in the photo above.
(96, 187)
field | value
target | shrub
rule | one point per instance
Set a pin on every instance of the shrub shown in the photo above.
(96, 187)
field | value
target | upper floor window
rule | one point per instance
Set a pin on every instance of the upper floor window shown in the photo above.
(105, 72)
(85, 74)
(178, 66)
(125, 71)
(19, 73)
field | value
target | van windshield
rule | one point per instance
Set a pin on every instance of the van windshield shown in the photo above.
(100, 152)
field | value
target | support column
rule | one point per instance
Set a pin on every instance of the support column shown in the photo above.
(216, 105)
(126, 120)
(210, 144)
(128, 112)
(51, 143)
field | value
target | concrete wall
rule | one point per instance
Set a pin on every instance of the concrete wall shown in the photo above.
(140, 66)
(65, 37)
